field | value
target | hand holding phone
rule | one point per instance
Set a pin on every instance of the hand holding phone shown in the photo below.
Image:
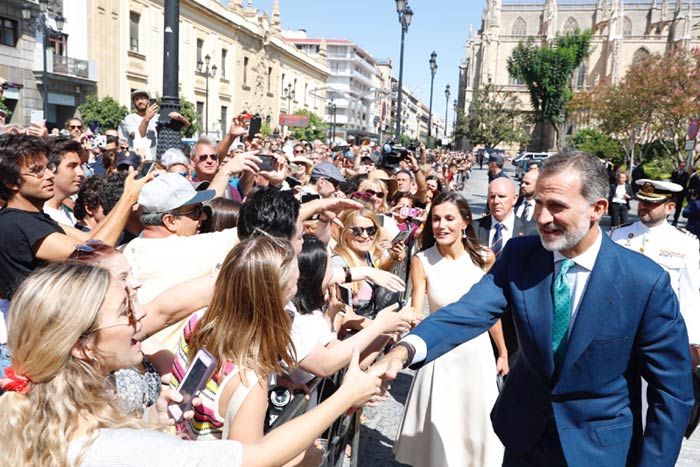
(345, 293)
(200, 370)
(267, 162)
(145, 169)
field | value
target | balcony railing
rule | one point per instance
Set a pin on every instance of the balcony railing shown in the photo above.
(71, 66)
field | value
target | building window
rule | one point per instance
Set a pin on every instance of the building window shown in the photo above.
(245, 70)
(282, 82)
(306, 93)
(57, 42)
(570, 26)
(627, 27)
(581, 76)
(224, 53)
(224, 118)
(269, 79)
(8, 32)
(515, 82)
(200, 46)
(200, 111)
(134, 19)
(519, 28)
(640, 55)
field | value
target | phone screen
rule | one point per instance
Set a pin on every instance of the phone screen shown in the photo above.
(145, 170)
(345, 294)
(400, 237)
(194, 378)
(267, 164)
(255, 126)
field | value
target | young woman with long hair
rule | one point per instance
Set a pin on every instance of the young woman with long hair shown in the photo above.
(451, 261)
(70, 326)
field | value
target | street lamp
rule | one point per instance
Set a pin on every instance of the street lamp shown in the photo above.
(289, 94)
(331, 117)
(405, 15)
(207, 73)
(42, 26)
(447, 107)
(433, 70)
(454, 119)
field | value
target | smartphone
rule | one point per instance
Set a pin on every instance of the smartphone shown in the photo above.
(145, 169)
(408, 212)
(151, 102)
(380, 220)
(345, 293)
(400, 237)
(100, 141)
(255, 125)
(267, 164)
(196, 377)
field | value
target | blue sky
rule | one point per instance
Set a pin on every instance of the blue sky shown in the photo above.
(440, 25)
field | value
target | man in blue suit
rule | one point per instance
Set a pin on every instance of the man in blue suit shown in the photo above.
(591, 318)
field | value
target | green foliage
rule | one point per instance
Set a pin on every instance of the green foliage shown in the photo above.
(316, 130)
(494, 118)
(599, 144)
(406, 140)
(6, 109)
(189, 111)
(107, 112)
(547, 72)
(265, 129)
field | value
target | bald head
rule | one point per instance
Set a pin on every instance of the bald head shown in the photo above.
(501, 198)
(527, 184)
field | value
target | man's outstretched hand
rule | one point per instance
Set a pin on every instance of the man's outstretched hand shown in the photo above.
(389, 367)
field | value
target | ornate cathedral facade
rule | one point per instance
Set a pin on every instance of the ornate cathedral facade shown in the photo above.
(623, 31)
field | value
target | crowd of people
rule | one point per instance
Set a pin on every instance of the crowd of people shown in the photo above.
(282, 260)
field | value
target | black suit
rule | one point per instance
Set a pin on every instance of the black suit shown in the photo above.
(521, 228)
(680, 178)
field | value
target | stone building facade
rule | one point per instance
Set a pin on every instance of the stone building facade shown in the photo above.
(624, 31)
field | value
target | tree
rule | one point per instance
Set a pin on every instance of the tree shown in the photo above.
(651, 107)
(547, 71)
(494, 118)
(599, 144)
(188, 110)
(315, 130)
(107, 112)
(5, 109)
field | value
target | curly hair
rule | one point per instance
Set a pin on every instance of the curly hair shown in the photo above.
(89, 196)
(112, 191)
(17, 151)
(271, 210)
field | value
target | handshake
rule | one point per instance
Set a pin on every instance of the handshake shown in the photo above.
(391, 364)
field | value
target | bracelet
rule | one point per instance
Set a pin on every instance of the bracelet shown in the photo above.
(416, 171)
(410, 349)
(348, 274)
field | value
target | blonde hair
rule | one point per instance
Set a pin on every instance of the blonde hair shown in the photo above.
(377, 185)
(246, 322)
(342, 249)
(54, 309)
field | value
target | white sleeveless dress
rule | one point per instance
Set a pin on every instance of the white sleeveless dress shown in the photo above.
(446, 419)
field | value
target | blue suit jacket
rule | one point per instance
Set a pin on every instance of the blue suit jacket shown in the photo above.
(628, 325)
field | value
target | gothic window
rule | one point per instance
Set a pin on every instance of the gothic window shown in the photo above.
(570, 26)
(640, 55)
(519, 27)
(627, 27)
(580, 75)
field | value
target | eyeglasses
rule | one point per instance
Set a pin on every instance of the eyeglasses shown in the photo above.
(203, 157)
(378, 194)
(131, 316)
(299, 151)
(194, 214)
(358, 231)
(39, 171)
(75, 127)
(363, 195)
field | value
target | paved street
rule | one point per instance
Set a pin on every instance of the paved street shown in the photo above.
(379, 430)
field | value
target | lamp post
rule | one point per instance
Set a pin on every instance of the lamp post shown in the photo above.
(207, 73)
(454, 119)
(331, 117)
(433, 70)
(447, 107)
(42, 25)
(405, 15)
(288, 93)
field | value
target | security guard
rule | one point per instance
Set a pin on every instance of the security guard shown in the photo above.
(673, 249)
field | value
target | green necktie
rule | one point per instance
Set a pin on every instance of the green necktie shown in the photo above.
(562, 312)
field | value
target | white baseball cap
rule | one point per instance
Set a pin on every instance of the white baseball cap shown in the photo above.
(170, 191)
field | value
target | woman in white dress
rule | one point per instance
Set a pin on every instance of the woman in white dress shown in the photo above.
(446, 420)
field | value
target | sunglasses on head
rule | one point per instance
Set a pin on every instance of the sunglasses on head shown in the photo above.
(203, 157)
(370, 231)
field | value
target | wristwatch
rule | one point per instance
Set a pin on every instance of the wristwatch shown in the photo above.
(409, 349)
(348, 274)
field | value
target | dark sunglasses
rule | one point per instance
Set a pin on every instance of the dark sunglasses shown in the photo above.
(194, 214)
(72, 127)
(370, 231)
(299, 152)
(363, 195)
(378, 194)
(203, 157)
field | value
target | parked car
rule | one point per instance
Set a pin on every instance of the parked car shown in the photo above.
(527, 158)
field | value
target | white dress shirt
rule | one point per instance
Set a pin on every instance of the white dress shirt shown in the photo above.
(577, 278)
(507, 231)
(521, 209)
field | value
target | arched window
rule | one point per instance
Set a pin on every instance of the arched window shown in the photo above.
(519, 27)
(640, 55)
(570, 26)
(580, 75)
(627, 27)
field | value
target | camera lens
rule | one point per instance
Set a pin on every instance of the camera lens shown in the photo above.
(280, 396)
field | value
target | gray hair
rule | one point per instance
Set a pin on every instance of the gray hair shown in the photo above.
(594, 177)
(173, 156)
(203, 141)
(152, 218)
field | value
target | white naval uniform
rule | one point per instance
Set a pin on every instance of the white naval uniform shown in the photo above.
(675, 251)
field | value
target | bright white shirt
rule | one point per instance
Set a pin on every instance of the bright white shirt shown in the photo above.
(619, 196)
(507, 231)
(577, 278)
(521, 209)
(127, 447)
(63, 215)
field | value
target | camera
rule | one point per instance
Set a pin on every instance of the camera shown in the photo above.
(392, 154)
